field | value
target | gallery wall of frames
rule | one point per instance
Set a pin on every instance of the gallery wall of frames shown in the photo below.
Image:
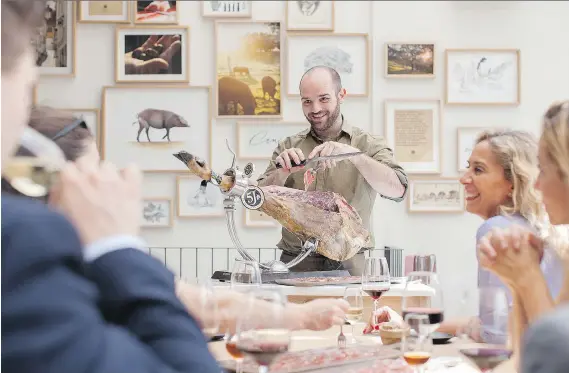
(155, 77)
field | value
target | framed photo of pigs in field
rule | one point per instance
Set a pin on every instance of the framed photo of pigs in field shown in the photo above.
(146, 125)
(348, 54)
(248, 69)
(158, 54)
(440, 194)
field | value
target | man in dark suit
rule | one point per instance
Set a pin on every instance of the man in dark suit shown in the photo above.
(82, 297)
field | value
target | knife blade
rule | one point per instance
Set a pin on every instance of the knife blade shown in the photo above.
(337, 157)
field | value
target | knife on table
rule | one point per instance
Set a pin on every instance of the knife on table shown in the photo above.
(337, 157)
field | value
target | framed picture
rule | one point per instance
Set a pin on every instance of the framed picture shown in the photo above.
(436, 195)
(248, 69)
(104, 11)
(482, 77)
(156, 213)
(155, 12)
(348, 54)
(413, 129)
(227, 9)
(410, 60)
(147, 124)
(309, 15)
(196, 198)
(92, 119)
(258, 219)
(258, 140)
(466, 138)
(54, 40)
(158, 54)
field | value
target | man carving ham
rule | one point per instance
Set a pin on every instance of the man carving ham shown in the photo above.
(357, 179)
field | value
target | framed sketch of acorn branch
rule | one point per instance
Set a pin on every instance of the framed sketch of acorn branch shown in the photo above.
(157, 212)
(438, 194)
(147, 124)
(258, 140)
(413, 129)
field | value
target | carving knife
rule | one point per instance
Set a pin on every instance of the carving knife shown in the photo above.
(337, 157)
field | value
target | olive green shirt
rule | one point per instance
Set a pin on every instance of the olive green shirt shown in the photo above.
(344, 178)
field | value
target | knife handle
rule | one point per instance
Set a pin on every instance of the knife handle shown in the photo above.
(293, 164)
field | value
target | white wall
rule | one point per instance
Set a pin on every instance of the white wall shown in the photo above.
(539, 29)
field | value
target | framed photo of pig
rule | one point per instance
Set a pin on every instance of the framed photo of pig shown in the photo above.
(158, 54)
(248, 69)
(155, 12)
(197, 198)
(440, 194)
(348, 54)
(258, 140)
(156, 213)
(146, 125)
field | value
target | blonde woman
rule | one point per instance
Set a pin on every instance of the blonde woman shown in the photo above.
(513, 254)
(498, 183)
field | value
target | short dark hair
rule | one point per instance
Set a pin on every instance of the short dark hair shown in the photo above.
(336, 80)
(20, 18)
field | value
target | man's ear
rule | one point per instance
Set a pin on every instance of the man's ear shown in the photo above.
(341, 95)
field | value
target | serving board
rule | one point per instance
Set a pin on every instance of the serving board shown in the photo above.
(302, 361)
(325, 281)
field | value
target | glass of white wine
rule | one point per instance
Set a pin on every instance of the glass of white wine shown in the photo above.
(353, 295)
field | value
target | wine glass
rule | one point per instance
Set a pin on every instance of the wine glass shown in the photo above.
(245, 276)
(418, 346)
(210, 319)
(353, 295)
(432, 306)
(263, 336)
(236, 353)
(376, 279)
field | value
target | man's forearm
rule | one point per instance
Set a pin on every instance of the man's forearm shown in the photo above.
(382, 178)
(275, 178)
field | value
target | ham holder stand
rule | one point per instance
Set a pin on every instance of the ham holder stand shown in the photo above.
(251, 196)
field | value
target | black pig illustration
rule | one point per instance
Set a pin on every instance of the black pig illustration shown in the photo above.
(158, 119)
(269, 87)
(233, 90)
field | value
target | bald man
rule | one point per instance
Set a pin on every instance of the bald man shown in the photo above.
(358, 179)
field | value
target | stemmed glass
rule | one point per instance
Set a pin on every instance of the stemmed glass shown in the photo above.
(209, 310)
(236, 353)
(263, 336)
(376, 279)
(431, 306)
(246, 276)
(417, 347)
(353, 295)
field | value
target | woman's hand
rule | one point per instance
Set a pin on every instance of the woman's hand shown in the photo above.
(321, 314)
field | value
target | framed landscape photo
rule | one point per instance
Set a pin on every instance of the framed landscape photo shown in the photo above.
(258, 219)
(248, 69)
(55, 40)
(406, 60)
(155, 12)
(227, 9)
(146, 125)
(92, 119)
(413, 129)
(156, 213)
(309, 15)
(196, 198)
(104, 11)
(482, 77)
(436, 195)
(258, 140)
(466, 138)
(158, 54)
(348, 54)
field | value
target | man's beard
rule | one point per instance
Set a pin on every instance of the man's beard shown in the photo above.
(323, 127)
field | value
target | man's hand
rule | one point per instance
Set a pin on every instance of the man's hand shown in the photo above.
(100, 201)
(330, 148)
(286, 158)
(322, 314)
(164, 49)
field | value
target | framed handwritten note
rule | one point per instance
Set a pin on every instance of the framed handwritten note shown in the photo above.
(258, 140)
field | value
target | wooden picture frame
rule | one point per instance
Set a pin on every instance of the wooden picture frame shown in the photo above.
(132, 63)
(327, 49)
(152, 151)
(295, 12)
(44, 37)
(157, 17)
(195, 201)
(445, 195)
(152, 215)
(482, 77)
(241, 90)
(234, 10)
(85, 7)
(410, 60)
(265, 137)
(465, 137)
(258, 219)
(92, 118)
(421, 151)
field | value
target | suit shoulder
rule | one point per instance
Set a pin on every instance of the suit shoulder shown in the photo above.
(22, 210)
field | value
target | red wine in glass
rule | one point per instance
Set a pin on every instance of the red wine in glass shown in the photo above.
(264, 353)
(374, 291)
(487, 358)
